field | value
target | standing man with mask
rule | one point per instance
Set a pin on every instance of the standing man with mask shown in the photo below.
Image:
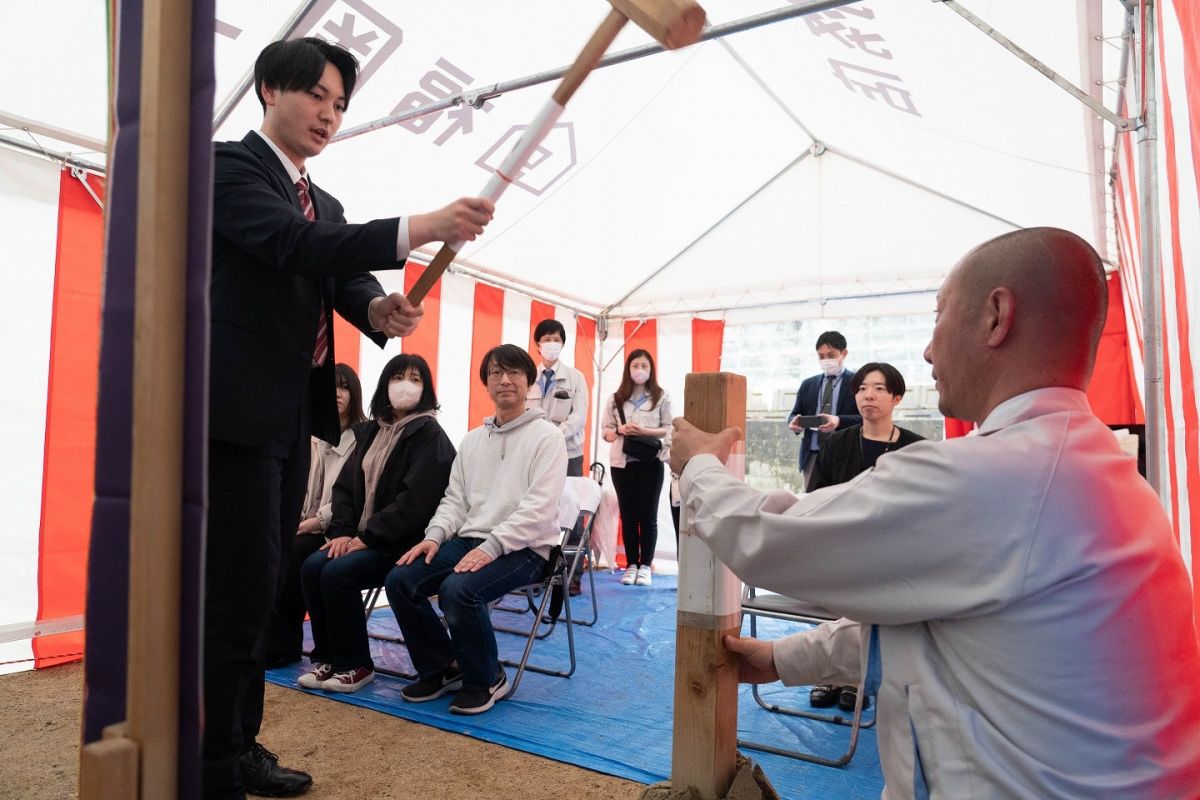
(283, 260)
(561, 391)
(826, 395)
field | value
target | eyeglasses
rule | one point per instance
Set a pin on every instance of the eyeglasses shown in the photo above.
(513, 373)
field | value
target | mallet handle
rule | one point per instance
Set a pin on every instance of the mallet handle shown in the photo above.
(431, 274)
(518, 158)
(590, 56)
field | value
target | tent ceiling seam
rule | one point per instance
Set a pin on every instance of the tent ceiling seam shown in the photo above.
(762, 84)
(923, 187)
(710, 229)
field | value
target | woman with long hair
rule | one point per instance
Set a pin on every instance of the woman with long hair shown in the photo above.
(637, 423)
(382, 501)
(286, 637)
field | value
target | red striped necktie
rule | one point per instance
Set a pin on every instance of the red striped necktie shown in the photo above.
(321, 348)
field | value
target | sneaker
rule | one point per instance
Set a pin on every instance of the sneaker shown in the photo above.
(477, 701)
(350, 681)
(319, 673)
(433, 687)
(630, 575)
(644, 577)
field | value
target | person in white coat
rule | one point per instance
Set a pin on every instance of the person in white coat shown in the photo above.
(1028, 599)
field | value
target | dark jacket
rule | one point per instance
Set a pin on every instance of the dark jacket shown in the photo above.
(412, 483)
(808, 402)
(841, 457)
(271, 270)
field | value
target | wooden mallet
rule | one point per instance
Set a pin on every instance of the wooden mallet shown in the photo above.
(672, 23)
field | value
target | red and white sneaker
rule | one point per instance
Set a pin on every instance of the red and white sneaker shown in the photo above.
(319, 673)
(350, 681)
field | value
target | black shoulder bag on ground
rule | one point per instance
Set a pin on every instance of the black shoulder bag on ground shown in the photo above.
(643, 448)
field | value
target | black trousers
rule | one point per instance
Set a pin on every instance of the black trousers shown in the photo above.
(285, 638)
(639, 485)
(254, 498)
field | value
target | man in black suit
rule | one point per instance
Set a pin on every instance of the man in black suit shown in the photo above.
(827, 395)
(283, 260)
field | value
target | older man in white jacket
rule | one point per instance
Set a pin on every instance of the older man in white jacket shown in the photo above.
(1033, 613)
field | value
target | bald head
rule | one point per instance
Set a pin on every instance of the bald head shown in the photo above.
(1022, 311)
(1057, 280)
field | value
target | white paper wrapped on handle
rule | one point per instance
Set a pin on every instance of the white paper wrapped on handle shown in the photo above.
(517, 158)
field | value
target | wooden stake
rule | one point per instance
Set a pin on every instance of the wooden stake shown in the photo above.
(704, 741)
(140, 758)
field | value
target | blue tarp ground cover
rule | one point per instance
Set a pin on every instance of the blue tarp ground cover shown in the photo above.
(614, 714)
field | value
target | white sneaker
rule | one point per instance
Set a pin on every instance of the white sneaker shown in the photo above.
(319, 673)
(630, 575)
(644, 577)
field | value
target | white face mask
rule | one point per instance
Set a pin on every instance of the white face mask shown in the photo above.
(830, 366)
(403, 395)
(550, 350)
(639, 376)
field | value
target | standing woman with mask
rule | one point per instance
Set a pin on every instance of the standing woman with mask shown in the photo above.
(637, 422)
(382, 502)
(286, 637)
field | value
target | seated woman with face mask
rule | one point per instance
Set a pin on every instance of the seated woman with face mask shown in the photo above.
(382, 501)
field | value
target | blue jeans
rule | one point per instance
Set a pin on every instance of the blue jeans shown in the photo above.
(333, 592)
(464, 598)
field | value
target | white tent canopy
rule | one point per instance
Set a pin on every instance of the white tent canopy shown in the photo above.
(849, 154)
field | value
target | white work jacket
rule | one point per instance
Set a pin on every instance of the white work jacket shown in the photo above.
(1033, 610)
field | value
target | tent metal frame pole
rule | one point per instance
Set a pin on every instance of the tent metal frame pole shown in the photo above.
(477, 97)
(31, 127)
(1151, 258)
(510, 284)
(1091, 62)
(1122, 79)
(602, 336)
(239, 91)
(51, 155)
(691, 312)
(1122, 123)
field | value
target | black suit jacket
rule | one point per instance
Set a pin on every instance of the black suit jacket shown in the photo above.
(407, 493)
(808, 402)
(271, 270)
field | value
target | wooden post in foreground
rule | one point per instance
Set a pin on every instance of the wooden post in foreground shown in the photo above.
(704, 741)
(140, 758)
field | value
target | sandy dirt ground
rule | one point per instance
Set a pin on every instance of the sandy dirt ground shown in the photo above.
(351, 752)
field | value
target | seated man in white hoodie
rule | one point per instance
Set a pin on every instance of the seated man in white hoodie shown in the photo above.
(492, 532)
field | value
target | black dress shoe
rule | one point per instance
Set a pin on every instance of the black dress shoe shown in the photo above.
(846, 697)
(822, 696)
(263, 776)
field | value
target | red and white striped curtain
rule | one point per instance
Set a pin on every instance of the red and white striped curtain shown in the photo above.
(50, 323)
(1178, 86)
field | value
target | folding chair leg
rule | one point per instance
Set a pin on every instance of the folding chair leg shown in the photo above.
(592, 587)
(524, 664)
(855, 722)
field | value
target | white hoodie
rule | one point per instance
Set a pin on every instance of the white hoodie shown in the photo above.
(505, 486)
